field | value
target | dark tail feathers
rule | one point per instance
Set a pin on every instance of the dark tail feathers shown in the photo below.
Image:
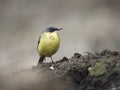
(41, 59)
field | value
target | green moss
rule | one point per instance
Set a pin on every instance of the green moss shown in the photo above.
(98, 69)
(117, 67)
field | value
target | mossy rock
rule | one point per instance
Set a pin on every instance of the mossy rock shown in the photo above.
(98, 69)
(117, 68)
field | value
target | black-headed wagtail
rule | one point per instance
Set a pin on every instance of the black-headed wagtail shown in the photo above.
(48, 43)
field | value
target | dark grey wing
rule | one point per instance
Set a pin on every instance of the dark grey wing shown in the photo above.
(38, 42)
(41, 59)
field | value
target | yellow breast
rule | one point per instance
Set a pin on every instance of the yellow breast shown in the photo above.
(49, 44)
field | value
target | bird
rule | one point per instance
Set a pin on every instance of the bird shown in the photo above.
(48, 43)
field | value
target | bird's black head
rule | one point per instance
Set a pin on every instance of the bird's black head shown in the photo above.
(52, 29)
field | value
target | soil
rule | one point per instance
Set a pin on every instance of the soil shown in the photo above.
(92, 71)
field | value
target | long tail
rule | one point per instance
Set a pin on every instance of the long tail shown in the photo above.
(41, 59)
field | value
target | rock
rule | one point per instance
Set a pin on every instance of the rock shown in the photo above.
(99, 71)
(77, 55)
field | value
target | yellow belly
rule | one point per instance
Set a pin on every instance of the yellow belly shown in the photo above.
(49, 44)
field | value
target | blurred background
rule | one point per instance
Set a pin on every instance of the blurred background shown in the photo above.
(89, 25)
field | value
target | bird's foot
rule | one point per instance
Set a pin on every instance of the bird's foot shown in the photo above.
(52, 67)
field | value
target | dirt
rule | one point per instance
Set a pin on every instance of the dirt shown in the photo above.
(92, 71)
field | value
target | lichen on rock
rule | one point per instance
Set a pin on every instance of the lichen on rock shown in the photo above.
(98, 69)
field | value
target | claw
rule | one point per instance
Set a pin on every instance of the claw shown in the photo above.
(52, 68)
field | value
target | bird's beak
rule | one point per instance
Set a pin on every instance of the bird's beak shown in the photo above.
(59, 29)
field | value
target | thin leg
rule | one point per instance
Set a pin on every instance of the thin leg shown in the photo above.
(52, 66)
(52, 60)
